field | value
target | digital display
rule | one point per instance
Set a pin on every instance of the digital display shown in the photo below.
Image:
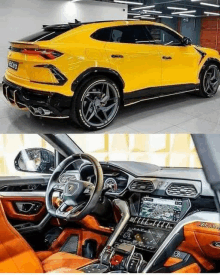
(161, 209)
(151, 237)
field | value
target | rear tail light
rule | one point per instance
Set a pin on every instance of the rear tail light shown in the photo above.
(47, 54)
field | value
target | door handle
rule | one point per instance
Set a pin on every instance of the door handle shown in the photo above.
(167, 57)
(117, 56)
(28, 208)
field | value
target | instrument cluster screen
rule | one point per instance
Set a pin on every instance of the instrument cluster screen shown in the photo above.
(161, 209)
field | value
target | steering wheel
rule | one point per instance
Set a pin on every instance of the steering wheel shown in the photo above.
(79, 197)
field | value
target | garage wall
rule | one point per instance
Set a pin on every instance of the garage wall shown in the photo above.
(18, 18)
(191, 28)
(210, 32)
(172, 23)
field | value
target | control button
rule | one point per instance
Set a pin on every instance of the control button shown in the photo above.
(133, 266)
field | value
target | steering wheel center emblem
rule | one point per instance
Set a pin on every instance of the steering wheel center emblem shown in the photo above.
(70, 188)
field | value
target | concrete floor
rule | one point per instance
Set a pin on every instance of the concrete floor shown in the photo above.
(184, 113)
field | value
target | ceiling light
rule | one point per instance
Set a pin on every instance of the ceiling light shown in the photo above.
(177, 8)
(187, 15)
(128, 2)
(164, 16)
(130, 13)
(208, 4)
(212, 13)
(148, 18)
(137, 16)
(178, 12)
(153, 11)
(147, 15)
(143, 8)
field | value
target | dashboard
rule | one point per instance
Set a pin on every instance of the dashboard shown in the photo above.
(158, 200)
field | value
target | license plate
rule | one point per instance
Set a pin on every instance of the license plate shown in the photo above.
(13, 65)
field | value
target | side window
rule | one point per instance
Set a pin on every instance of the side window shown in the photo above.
(102, 34)
(164, 36)
(129, 34)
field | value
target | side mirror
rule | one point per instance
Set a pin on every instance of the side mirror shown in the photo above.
(187, 41)
(35, 160)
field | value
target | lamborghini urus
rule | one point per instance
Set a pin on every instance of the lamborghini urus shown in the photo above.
(86, 71)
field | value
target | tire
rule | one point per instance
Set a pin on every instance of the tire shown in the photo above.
(96, 103)
(209, 81)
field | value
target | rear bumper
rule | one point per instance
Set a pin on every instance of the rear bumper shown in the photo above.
(43, 104)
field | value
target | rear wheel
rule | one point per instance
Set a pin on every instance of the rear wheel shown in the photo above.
(96, 103)
(209, 81)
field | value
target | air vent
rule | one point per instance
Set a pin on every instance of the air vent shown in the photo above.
(145, 186)
(182, 190)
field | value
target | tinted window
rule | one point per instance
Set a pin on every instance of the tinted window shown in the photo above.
(43, 35)
(102, 34)
(164, 36)
(129, 34)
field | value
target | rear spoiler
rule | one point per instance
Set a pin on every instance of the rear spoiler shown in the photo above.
(24, 45)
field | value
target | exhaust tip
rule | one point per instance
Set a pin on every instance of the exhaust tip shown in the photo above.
(39, 111)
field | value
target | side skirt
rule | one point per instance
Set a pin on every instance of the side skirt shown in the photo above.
(157, 92)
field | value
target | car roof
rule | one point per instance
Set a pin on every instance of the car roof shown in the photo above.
(123, 22)
(108, 23)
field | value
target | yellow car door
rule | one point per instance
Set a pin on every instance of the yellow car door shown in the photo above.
(180, 64)
(136, 60)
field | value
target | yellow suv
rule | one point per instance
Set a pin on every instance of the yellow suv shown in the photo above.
(85, 71)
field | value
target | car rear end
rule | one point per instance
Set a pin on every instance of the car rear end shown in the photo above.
(37, 73)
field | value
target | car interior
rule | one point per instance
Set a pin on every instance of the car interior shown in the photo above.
(80, 215)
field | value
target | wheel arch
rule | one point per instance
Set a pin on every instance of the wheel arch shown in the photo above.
(96, 71)
(207, 62)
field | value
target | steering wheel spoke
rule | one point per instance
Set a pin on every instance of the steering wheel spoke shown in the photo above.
(77, 208)
(61, 209)
(59, 187)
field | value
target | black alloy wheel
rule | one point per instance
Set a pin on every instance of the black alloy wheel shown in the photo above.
(96, 104)
(210, 81)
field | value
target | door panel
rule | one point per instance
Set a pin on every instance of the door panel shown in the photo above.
(180, 65)
(12, 211)
(23, 198)
(140, 66)
(138, 62)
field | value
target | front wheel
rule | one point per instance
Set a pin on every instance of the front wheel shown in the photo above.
(209, 81)
(96, 103)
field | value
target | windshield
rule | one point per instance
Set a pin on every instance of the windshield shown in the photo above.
(165, 150)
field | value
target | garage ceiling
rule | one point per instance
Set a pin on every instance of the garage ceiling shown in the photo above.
(172, 8)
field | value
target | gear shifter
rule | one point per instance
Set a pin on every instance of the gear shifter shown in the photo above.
(121, 257)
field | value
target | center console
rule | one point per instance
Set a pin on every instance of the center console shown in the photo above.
(151, 221)
(156, 218)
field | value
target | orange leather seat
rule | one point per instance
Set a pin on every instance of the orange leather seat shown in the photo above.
(62, 259)
(16, 256)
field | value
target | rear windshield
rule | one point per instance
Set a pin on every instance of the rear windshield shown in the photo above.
(43, 35)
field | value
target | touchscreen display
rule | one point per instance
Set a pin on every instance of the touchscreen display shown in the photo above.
(151, 237)
(161, 209)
